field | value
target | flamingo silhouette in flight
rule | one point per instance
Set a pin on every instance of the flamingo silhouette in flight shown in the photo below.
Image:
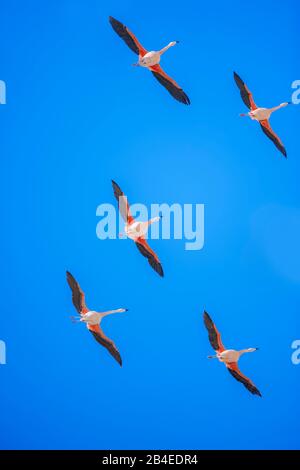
(92, 319)
(150, 60)
(229, 357)
(262, 115)
(137, 231)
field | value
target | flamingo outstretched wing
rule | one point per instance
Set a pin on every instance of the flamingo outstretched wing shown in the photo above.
(267, 129)
(234, 370)
(122, 203)
(213, 334)
(246, 94)
(127, 37)
(78, 296)
(102, 339)
(170, 84)
(146, 251)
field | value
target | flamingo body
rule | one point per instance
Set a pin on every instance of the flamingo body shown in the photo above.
(261, 115)
(137, 231)
(93, 318)
(229, 357)
(150, 60)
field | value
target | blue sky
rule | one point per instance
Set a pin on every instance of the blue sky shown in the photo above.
(77, 116)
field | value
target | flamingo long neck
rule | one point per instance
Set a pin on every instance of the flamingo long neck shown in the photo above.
(164, 49)
(109, 312)
(155, 219)
(243, 351)
(282, 105)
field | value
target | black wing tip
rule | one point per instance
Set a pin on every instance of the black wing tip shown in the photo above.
(118, 358)
(120, 362)
(115, 24)
(115, 353)
(274, 139)
(160, 271)
(113, 20)
(182, 97)
(237, 77)
(69, 276)
(123, 32)
(239, 81)
(254, 391)
(156, 266)
(247, 384)
(208, 322)
(206, 316)
(115, 186)
(177, 93)
(187, 100)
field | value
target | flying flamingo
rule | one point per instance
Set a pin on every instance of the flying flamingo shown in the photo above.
(150, 60)
(229, 357)
(92, 318)
(137, 231)
(262, 115)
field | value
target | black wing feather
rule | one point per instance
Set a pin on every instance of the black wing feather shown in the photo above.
(122, 202)
(277, 143)
(151, 260)
(177, 93)
(121, 30)
(212, 333)
(77, 294)
(117, 190)
(245, 382)
(243, 90)
(108, 344)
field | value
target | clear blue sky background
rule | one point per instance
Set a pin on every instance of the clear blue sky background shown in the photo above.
(77, 115)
